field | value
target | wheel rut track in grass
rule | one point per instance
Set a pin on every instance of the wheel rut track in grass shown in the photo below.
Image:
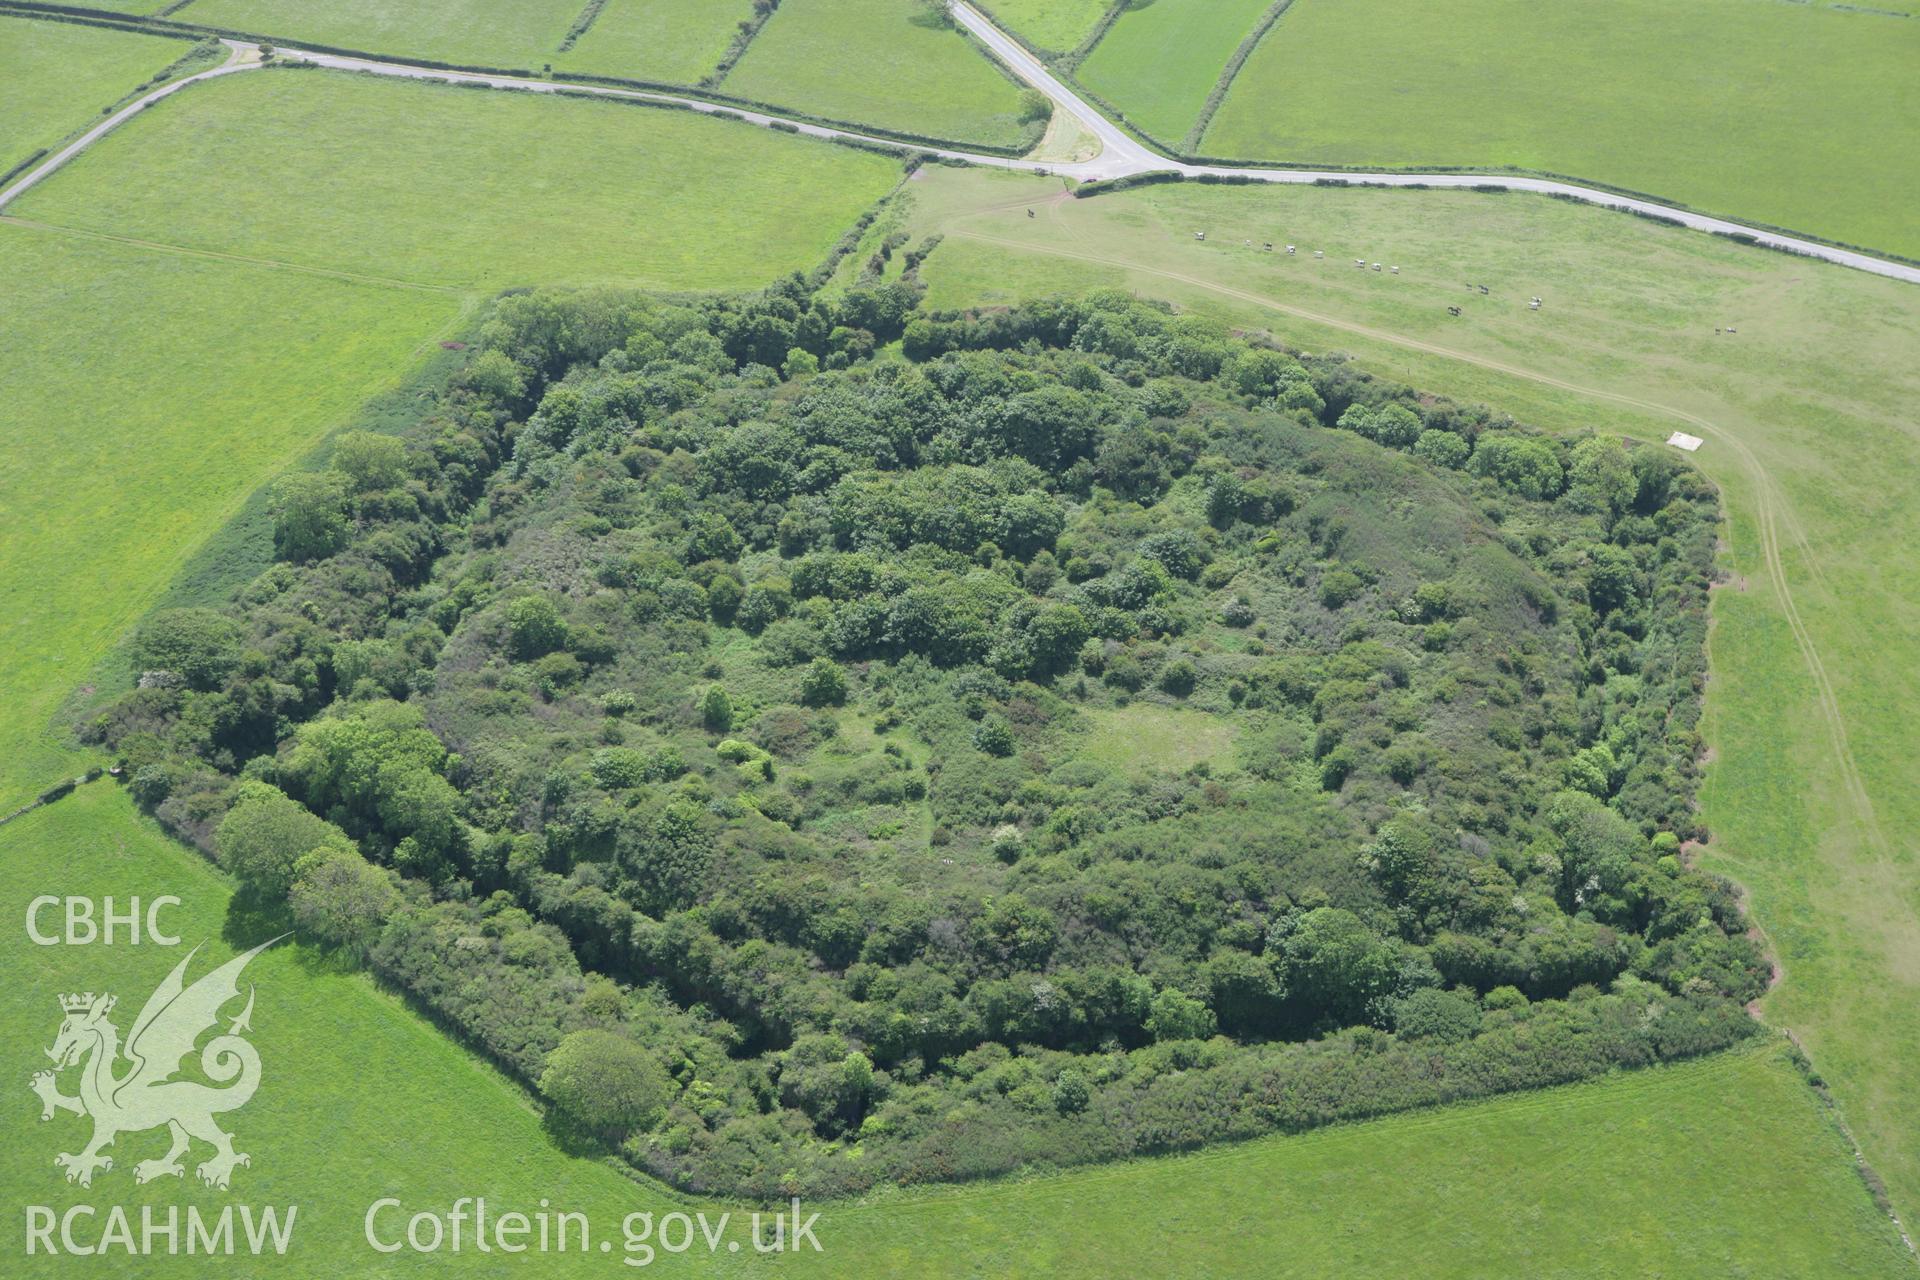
(1770, 510)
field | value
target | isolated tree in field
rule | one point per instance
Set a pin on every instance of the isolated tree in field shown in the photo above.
(605, 1083)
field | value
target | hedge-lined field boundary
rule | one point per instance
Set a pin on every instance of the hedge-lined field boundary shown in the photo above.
(99, 17)
(581, 25)
(1231, 72)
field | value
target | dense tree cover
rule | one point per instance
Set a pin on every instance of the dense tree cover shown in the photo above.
(756, 764)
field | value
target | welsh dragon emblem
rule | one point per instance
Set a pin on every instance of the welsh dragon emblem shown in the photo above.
(149, 1092)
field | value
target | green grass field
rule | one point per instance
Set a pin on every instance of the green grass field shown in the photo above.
(1485, 1191)
(1056, 25)
(678, 41)
(147, 394)
(1800, 117)
(1644, 1157)
(1808, 415)
(1150, 736)
(466, 187)
(883, 63)
(495, 33)
(55, 78)
(1158, 64)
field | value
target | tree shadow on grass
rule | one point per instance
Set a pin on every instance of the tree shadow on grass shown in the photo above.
(254, 918)
(571, 1139)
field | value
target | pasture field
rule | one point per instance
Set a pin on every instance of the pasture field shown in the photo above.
(1643, 1155)
(56, 77)
(1470, 1192)
(1810, 434)
(678, 41)
(147, 393)
(883, 63)
(514, 34)
(1055, 25)
(1158, 64)
(465, 187)
(1804, 118)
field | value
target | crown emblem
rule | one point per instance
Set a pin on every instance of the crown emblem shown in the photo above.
(76, 1003)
